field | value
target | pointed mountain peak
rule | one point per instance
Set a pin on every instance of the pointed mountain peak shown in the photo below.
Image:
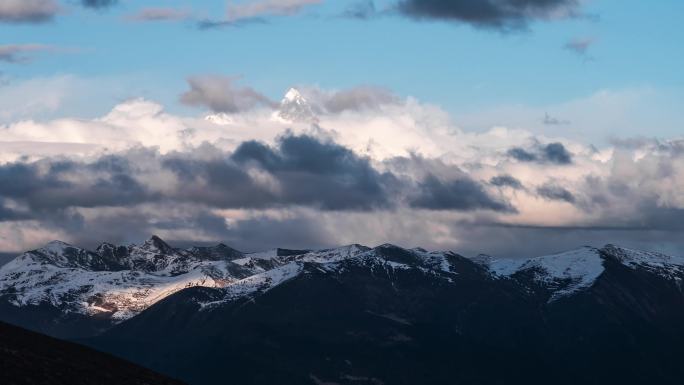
(295, 108)
(156, 244)
(293, 95)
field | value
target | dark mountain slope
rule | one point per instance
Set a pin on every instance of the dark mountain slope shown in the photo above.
(361, 324)
(30, 358)
(372, 322)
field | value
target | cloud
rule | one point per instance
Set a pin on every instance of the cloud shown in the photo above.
(554, 153)
(362, 10)
(460, 194)
(19, 53)
(580, 46)
(401, 172)
(160, 14)
(506, 181)
(207, 192)
(554, 192)
(257, 9)
(219, 94)
(553, 121)
(98, 4)
(500, 14)
(257, 12)
(359, 99)
(8, 214)
(522, 155)
(51, 186)
(301, 170)
(28, 11)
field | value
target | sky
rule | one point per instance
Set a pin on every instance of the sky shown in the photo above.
(512, 127)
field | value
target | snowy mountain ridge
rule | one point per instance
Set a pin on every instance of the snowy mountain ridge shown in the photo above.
(118, 282)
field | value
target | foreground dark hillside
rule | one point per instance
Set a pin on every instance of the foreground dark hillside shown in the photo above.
(31, 358)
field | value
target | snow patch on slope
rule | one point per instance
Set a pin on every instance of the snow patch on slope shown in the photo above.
(564, 273)
(258, 283)
(664, 265)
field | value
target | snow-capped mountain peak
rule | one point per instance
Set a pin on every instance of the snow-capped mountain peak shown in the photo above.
(295, 108)
(293, 96)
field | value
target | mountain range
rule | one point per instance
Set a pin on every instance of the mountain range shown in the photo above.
(360, 315)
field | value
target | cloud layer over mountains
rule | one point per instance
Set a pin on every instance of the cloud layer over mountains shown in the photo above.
(372, 167)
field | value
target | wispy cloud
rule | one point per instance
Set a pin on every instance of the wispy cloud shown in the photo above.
(363, 10)
(581, 46)
(257, 12)
(21, 53)
(554, 121)
(265, 8)
(28, 11)
(98, 4)
(160, 14)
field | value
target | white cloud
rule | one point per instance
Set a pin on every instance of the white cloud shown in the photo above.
(258, 8)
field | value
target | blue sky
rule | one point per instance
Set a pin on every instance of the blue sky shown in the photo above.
(635, 44)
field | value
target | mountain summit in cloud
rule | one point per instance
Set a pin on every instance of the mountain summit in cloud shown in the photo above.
(295, 108)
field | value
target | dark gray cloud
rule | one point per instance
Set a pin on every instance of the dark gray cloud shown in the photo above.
(220, 94)
(46, 186)
(554, 153)
(506, 181)
(331, 176)
(500, 14)
(8, 214)
(299, 171)
(99, 4)
(27, 11)
(555, 192)
(522, 155)
(557, 153)
(460, 194)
